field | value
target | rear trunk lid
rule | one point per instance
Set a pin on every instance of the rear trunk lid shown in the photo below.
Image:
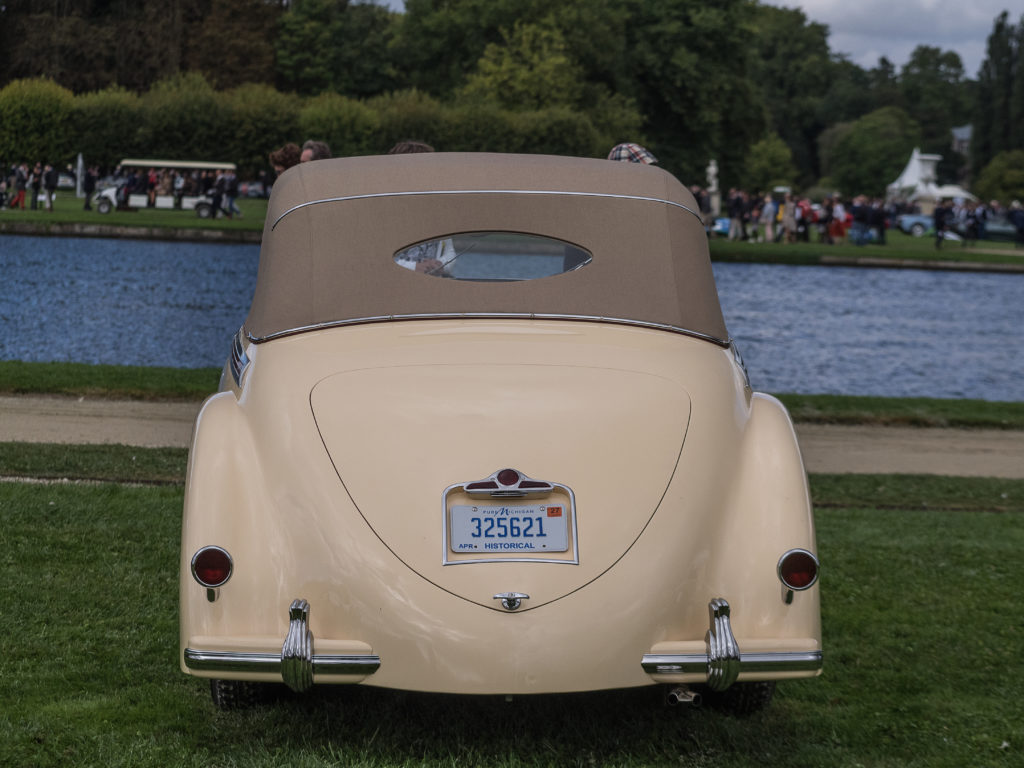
(406, 440)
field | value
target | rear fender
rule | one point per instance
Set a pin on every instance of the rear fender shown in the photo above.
(226, 505)
(767, 513)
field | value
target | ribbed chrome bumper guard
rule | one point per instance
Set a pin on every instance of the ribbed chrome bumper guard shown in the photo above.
(724, 662)
(297, 664)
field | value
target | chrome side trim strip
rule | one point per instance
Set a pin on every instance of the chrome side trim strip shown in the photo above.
(423, 193)
(697, 663)
(487, 316)
(270, 663)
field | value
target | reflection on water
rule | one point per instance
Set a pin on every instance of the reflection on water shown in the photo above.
(800, 329)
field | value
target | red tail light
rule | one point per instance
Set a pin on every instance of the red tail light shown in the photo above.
(212, 566)
(798, 569)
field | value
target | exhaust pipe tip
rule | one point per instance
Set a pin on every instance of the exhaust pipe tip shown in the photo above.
(683, 695)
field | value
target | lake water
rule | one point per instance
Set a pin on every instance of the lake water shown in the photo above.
(800, 329)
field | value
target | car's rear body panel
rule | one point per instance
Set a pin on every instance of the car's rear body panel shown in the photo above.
(325, 477)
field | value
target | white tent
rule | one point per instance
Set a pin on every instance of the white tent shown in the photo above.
(917, 183)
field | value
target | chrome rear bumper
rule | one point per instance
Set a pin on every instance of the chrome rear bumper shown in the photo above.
(296, 663)
(723, 662)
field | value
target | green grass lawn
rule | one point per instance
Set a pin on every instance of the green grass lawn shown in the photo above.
(922, 632)
(68, 209)
(899, 247)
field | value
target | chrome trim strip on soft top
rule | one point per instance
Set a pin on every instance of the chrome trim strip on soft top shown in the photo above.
(270, 663)
(487, 316)
(566, 193)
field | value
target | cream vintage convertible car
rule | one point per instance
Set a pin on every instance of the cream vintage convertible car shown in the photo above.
(484, 431)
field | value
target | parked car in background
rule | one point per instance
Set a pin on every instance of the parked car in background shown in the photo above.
(996, 228)
(252, 189)
(484, 431)
(915, 224)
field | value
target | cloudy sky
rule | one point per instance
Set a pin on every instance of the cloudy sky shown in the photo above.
(868, 29)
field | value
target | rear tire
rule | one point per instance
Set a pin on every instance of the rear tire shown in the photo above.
(741, 699)
(228, 695)
(104, 206)
(204, 210)
(917, 230)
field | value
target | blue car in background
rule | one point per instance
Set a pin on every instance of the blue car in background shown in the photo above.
(915, 224)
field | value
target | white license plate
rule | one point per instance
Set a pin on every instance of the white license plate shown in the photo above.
(510, 528)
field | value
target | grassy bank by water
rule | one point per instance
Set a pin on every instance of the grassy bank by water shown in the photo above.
(900, 249)
(68, 209)
(139, 383)
(921, 655)
(107, 381)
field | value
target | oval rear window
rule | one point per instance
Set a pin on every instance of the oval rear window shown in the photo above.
(492, 257)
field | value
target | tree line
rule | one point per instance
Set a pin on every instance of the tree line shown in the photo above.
(755, 87)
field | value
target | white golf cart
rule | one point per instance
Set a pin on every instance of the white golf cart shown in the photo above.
(186, 196)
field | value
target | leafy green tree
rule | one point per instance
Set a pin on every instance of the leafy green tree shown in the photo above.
(769, 164)
(54, 40)
(35, 121)
(873, 151)
(885, 85)
(362, 64)
(303, 44)
(530, 70)
(848, 95)
(687, 63)
(438, 42)
(234, 43)
(333, 45)
(999, 104)
(935, 95)
(827, 142)
(792, 71)
(1003, 178)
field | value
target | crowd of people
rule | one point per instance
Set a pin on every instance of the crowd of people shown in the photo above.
(789, 218)
(785, 217)
(31, 186)
(969, 219)
(775, 217)
(25, 187)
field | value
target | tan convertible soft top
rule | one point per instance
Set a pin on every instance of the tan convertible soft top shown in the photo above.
(334, 226)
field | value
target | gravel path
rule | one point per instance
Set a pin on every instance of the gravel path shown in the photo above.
(964, 452)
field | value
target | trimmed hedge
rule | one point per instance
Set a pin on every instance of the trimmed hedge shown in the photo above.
(186, 118)
(35, 122)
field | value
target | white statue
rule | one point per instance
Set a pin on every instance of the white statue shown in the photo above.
(712, 171)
